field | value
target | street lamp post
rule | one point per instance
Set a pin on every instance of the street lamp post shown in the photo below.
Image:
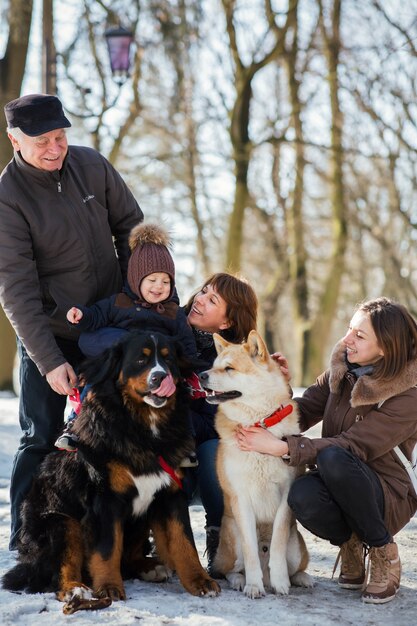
(119, 41)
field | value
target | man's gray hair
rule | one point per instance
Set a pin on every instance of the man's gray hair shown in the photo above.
(15, 132)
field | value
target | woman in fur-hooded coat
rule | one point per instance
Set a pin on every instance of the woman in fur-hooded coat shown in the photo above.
(357, 492)
(369, 418)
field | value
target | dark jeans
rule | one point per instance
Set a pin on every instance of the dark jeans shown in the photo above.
(204, 478)
(41, 417)
(342, 496)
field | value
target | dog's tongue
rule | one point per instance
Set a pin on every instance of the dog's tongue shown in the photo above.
(166, 388)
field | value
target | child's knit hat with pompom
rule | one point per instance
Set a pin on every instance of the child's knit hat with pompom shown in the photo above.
(149, 245)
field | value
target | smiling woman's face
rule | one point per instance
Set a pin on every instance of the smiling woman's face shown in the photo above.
(45, 152)
(360, 341)
(208, 311)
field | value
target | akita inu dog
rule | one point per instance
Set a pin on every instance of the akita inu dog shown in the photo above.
(258, 531)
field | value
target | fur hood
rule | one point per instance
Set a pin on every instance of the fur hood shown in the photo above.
(366, 389)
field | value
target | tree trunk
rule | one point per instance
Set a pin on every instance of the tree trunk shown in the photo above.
(48, 49)
(295, 222)
(12, 68)
(240, 120)
(315, 345)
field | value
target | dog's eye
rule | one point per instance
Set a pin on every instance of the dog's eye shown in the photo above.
(229, 369)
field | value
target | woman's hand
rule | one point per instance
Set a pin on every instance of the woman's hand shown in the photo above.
(255, 439)
(281, 360)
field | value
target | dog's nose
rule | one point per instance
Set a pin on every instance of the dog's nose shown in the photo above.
(203, 377)
(157, 377)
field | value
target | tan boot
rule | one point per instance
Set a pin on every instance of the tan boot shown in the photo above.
(352, 568)
(385, 574)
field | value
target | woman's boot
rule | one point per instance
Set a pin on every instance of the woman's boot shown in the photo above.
(385, 574)
(352, 570)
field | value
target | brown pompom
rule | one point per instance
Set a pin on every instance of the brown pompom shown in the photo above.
(148, 233)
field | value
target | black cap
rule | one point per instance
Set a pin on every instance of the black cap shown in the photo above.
(36, 114)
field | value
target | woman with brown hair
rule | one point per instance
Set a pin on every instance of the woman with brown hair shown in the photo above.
(225, 304)
(361, 493)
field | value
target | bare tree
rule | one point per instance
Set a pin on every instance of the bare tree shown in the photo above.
(315, 344)
(12, 69)
(240, 114)
(13, 63)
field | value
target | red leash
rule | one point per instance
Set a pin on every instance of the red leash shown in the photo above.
(169, 470)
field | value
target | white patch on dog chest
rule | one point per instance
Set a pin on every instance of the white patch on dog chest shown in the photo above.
(147, 487)
(262, 481)
(154, 417)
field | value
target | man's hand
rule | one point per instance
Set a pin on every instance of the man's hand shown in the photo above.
(74, 315)
(62, 379)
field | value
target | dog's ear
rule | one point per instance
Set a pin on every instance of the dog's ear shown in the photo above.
(219, 343)
(187, 364)
(105, 367)
(256, 346)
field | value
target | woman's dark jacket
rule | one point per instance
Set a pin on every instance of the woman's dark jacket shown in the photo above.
(368, 417)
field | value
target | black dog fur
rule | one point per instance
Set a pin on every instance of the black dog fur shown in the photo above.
(87, 518)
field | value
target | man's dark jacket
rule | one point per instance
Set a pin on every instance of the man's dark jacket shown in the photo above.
(57, 246)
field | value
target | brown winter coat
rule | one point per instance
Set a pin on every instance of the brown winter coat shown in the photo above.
(56, 245)
(353, 420)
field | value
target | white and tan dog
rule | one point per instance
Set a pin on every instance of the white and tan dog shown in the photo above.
(260, 545)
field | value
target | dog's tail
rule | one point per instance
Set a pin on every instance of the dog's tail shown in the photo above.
(26, 576)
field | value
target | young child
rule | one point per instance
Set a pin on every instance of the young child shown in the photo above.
(148, 303)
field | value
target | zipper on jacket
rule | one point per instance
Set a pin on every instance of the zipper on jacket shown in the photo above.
(59, 187)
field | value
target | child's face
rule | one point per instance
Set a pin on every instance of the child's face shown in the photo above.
(155, 287)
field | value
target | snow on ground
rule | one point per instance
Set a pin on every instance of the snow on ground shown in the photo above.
(168, 604)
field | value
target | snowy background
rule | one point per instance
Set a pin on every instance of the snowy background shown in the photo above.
(168, 604)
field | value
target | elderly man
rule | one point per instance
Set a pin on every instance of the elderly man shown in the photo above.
(65, 216)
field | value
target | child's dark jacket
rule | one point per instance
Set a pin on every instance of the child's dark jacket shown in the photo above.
(123, 312)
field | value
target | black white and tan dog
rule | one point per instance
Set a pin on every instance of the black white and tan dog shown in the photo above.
(260, 546)
(87, 518)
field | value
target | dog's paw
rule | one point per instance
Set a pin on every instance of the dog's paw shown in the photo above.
(236, 580)
(159, 574)
(254, 591)
(202, 586)
(76, 590)
(280, 584)
(113, 591)
(302, 579)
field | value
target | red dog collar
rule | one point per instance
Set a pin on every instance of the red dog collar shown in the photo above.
(276, 417)
(170, 470)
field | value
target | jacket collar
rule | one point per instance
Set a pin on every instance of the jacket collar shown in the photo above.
(41, 175)
(366, 389)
